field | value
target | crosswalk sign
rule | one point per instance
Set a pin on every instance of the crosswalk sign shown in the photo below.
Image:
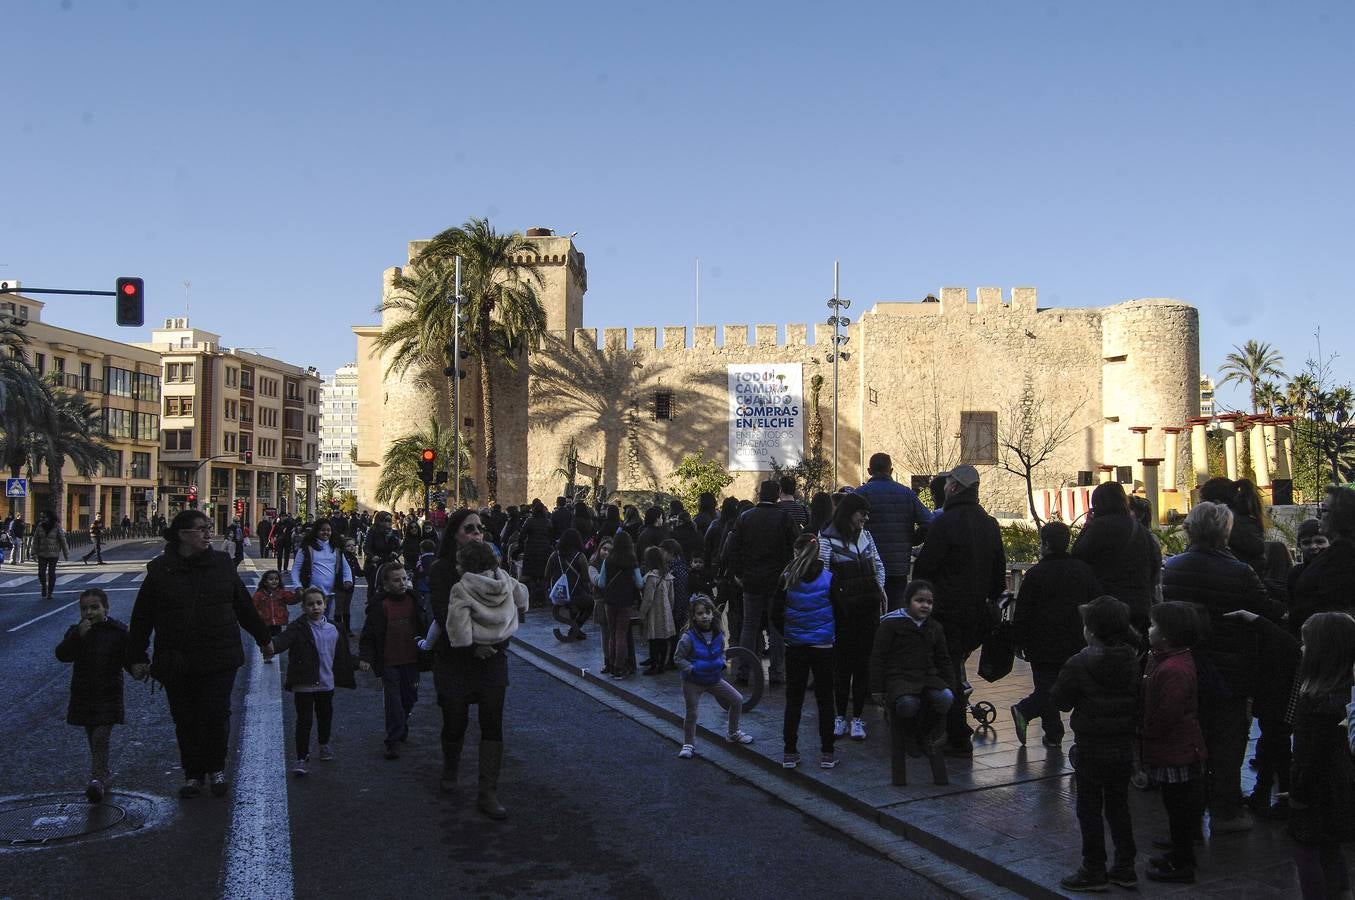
(16, 487)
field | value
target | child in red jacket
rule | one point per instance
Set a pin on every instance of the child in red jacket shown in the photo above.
(1173, 745)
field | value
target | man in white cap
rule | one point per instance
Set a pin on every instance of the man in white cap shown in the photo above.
(963, 558)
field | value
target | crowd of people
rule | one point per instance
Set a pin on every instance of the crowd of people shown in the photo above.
(865, 593)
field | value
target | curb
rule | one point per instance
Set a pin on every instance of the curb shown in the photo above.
(985, 876)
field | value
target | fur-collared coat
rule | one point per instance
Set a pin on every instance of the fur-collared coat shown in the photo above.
(483, 608)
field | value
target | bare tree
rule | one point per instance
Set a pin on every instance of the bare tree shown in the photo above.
(1030, 432)
(929, 443)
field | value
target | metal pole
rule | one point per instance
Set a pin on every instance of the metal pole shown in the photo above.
(698, 291)
(837, 351)
(456, 389)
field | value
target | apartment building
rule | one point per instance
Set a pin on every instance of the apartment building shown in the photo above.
(339, 428)
(121, 382)
(241, 432)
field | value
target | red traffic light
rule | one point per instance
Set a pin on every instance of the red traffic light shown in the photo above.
(131, 302)
(429, 455)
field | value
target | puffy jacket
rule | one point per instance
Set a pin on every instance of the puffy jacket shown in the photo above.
(764, 537)
(1171, 710)
(1047, 622)
(49, 544)
(804, 612)
(963, 557)
(1327, 584)
(96, 681)
(483, 608)
(895, 512)
(1221, 583)
(195, 606)
(303, 662)
(272, 605)
(372, 641)
(1101, 686)
(908, 657)
(701, 661)
(1125, 559)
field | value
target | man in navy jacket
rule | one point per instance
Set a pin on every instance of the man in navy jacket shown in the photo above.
(895, 512)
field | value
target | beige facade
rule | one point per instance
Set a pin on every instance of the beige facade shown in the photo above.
(932, 382)
(121, 382)
(243, 429)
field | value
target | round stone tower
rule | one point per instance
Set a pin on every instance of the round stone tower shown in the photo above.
(1150, 353)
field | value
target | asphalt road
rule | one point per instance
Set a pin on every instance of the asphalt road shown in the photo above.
(599, 805)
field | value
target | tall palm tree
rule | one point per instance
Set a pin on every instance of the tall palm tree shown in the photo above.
(1298, 394)
(400, 465)
(1251, 364)
(501, 310)
(327, 489)
(69, 429)
(23, 396)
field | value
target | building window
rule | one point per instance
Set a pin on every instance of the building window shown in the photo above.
(117, 382)
(293, 392)
(268, 448)
(312, 453)
(978, 438)
(147, 387)
(230, 409)
(228, 442)
(117, 423)
(178, 406)
(178, 371)
(246, 441)
(268, 417)
(86, 376)
(291, 419)
(663, 405)
(141, 465)
(59, 362)
(179, 439)
(232, 376)
(147, 427)
(40, 362)
(113, 467)
(246, 411)
(313, 424)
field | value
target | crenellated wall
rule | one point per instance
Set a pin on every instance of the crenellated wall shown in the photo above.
(909, 372)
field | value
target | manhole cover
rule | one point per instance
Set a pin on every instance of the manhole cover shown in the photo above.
(42, 821)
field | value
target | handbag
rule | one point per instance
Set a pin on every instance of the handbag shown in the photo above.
(999, 648)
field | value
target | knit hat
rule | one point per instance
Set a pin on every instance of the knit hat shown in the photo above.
(1309, 528)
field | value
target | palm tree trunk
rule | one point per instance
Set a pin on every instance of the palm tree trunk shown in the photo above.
(487, 413)
(58, 487)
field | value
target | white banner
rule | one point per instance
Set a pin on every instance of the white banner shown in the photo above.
(766, 416)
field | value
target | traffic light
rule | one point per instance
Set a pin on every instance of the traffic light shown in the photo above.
(426, 459)
(131, 302)
(249, 457)
(455, 364)
(192, 498)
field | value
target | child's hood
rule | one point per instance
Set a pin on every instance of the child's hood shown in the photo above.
(1113, 666)
(489, 589)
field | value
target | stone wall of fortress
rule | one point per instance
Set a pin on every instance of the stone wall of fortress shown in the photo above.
(914, 368)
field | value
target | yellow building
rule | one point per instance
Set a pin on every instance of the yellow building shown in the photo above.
(122, 382)
(241, 428)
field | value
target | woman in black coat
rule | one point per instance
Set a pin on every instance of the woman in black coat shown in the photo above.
(537, 540)
(195, 604)
(1122, 553)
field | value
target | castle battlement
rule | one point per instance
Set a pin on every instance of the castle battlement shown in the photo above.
(675, 337)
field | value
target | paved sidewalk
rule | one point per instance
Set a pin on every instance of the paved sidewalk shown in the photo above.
(1007, 815)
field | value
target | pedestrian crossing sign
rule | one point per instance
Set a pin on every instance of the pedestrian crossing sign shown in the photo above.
(16, 487)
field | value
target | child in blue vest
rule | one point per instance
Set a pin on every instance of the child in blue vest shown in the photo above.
(701, 657)
(802, 610)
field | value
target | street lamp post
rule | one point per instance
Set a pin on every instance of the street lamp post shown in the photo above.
(837, 354)
(456, 388)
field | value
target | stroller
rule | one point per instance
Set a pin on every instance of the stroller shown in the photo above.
(995, 660)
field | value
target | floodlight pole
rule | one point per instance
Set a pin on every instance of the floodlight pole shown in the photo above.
(456, 389)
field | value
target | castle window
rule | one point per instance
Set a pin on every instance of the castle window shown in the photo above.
(874, 395)
(978, 438)
(663, 405)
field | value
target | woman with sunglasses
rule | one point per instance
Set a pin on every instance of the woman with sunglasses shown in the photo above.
(461, 675)
(195, 604)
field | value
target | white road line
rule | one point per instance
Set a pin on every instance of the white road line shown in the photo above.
(67, 579)
(14, 581)
(52, 613)
(257, 861)
(104, 579)
(141, 576)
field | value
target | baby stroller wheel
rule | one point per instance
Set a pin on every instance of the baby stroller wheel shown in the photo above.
(984, 713)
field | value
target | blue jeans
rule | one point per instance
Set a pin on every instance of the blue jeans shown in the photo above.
(938, 703)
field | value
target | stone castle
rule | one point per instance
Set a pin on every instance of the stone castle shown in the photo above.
(933, 383)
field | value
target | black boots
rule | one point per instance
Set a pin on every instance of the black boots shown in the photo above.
(451, 761)
(491, 761)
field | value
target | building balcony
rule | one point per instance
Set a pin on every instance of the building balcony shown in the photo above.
(293, 403)
(292, 461)
(291, 433)
(246, 391)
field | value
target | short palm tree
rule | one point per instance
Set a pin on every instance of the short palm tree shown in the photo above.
(23, 396)
(400, 465)
(501, 310)
(1269, 397)
(1251, 364)
(1298, 394)
(69, 429)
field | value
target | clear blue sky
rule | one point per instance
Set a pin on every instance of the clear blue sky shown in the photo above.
(280, 155)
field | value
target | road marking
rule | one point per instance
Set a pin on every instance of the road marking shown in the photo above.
(45, 615)
(104, 579)
(13, 581)
(67, 579)
(141, 576)
(257, 860)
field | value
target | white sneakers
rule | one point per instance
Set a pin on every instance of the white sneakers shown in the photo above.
(686, 751)
(858, 730)
(739, 737)
(840, 727)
